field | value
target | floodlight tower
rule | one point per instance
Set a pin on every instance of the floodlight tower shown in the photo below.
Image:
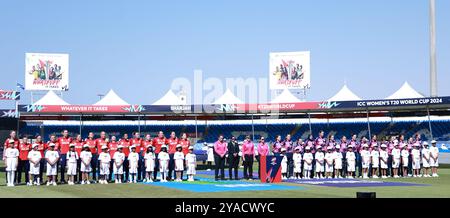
(433, 72)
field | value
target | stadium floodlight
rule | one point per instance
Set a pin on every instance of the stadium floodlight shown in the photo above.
(433, 72)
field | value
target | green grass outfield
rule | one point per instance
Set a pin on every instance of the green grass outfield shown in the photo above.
(440, 188)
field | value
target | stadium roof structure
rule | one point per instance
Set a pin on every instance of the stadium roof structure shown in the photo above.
(169, 99)
(285, 97)
(51, 99)
(345, 94)
(228, 98)
(111, 99)
(406, 91)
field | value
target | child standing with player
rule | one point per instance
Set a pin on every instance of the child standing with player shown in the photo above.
(329, 158)
(72, 159)
(396, 155)
(149, 164)
(11, 159)
(133, 159)
(405, 160)
(351, 161)
(297, 159)
(179, 163)
(375, 154)
(105, 160)
(284, 161)
(384, 161)
(52, 157)
(426, 160)
(163, 158)
(119, 158)
(366, 158)
(319, 156)
(86, 157)
(191, 163)
(434, 155)
(416, 160)
(337, 162)
(307, 163)
(34, 157)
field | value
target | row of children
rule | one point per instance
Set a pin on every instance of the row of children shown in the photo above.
(337, 164)
(52, 156)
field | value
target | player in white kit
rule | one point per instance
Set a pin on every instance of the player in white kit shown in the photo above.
(319, 158)
(384, 161)
(396, 158)
(11, 159)
(415, 153)
(284, 166)
(405, 160)
(426, 160)
(297, 159)
(149, 164)
(366, 160)
(105, 159)
(86, 157)
(52, 158)
(307, 163)
(163, 158)
(329, 158)
(350, 156)
(72, 159)
(119, 158)
(337, 161)
(34, 157)
(375, 155)
(133, 159)
(191, 163)
(434, 158)
(179, 163)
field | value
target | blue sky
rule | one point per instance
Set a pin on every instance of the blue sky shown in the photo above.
(138, 47)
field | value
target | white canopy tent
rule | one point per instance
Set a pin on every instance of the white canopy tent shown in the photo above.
(51, 99)
(169, 99)
(285, 97)
(111, 99)
(406, 91)
(228, 98)
(345, 94)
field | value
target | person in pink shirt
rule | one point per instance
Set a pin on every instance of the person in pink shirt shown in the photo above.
(220, 150)
(248, 154)
(263, 151)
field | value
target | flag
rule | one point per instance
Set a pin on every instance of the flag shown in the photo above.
(270, 169)
(20, 86)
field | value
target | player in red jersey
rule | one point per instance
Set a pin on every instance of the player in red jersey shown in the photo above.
(12, 136)
(78, 142)
(90, 141)
(126, 143)
(23, 164)
(41, 148)
(172, 143)
(64, 143)
(137, 142)
(185, 143)
(159, 141)
(99, 143)
(112, 145)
